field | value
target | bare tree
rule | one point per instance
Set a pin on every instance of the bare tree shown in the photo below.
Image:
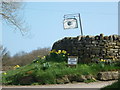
(10, 14)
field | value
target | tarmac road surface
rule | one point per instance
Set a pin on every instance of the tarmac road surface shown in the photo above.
(99, 84)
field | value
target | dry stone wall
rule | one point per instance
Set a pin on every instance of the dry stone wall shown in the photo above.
(88, 47)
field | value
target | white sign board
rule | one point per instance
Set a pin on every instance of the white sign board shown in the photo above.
(72, 60)
(70, 23)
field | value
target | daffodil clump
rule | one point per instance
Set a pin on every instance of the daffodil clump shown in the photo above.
(108, 60)
(58, 52)
(102, 60)
(60, 55)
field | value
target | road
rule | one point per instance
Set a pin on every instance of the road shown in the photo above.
(99, 84)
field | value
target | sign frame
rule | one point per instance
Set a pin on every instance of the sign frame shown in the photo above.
(75, 62)
(77, 15)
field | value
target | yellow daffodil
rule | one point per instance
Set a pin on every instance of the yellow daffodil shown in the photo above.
(5, 73)
(38, 56)
(63, 55)
(63, 51)
(56, 52)
(59, 51)
(53, 51)
(102, 60)
(17, 66)
(113, 59)
(43, 57)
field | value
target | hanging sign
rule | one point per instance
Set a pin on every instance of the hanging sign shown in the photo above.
(70, 23)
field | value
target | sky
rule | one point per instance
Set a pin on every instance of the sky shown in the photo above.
(45, 21)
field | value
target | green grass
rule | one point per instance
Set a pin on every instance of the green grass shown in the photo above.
(35, 73)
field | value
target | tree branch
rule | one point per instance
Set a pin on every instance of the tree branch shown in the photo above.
(12, 21)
